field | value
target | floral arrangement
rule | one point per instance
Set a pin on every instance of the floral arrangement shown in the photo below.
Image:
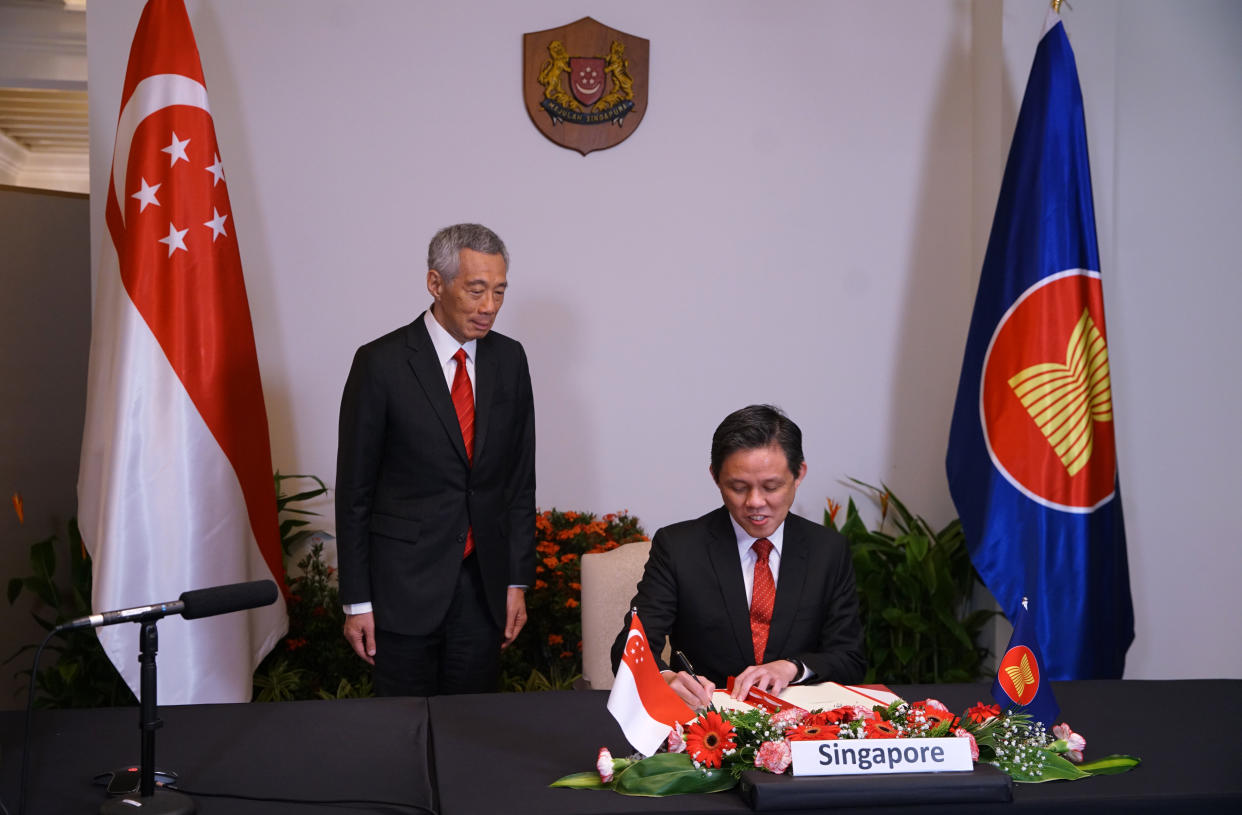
(711, 753)
(548, 652)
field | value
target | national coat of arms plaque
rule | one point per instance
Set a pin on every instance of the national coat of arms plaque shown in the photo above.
(585, 84)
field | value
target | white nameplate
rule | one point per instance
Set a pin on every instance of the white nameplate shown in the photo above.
(877, 756)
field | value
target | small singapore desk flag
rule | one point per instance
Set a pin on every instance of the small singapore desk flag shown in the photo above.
(1020, 682)
(641, 701)
(175, 489)
(1032, 458)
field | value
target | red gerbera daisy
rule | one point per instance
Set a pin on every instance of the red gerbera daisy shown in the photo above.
(709, 738)
(934, 714)
(981, 712)
(881, 730)
(813, 732)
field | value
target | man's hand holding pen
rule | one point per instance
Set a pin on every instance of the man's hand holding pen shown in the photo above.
(693, 689)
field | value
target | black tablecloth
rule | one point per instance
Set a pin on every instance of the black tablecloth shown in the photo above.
(372, 749)
(497, 753)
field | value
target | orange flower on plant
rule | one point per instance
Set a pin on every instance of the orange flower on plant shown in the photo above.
(555, 639)
(565, 655)
(540, 584)
(709, 738)
(569, 558)
(833, 509)
(551, 562)
(572, 603)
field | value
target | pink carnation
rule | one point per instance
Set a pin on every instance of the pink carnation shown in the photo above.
(789, 717)
(864, 714)
(604, 765)
(676, 741)
(1074, 742)
(963, 733)
(773, 756)
(935, 704)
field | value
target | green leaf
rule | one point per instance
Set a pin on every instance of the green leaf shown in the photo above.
(581, 781)
(43, 558)
(1056, 768)
(305, 496)
(1111, 765)
(670, 774)
(914, 622)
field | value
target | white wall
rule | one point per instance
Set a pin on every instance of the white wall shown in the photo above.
(799, 220)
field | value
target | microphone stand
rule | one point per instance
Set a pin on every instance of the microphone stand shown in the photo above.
(160, 801)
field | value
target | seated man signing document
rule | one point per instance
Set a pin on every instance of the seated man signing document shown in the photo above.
(750, 590)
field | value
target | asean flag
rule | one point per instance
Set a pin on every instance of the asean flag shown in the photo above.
(641, 701)
(175, 489)
(1020, 681)
(1032, 459)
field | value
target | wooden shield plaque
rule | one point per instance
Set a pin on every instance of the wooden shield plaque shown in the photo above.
(585, 84)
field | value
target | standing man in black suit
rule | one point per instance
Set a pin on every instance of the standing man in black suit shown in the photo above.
(750, 590)
(435, 482)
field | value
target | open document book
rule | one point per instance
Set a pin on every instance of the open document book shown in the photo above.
(823, 696)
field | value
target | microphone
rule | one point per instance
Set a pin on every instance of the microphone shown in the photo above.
(226, 599)
(191, 605)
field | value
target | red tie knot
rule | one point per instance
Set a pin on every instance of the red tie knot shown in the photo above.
(762, 547)
(460, 356)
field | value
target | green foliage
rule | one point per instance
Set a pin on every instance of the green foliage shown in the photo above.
(914, 592)
(77, 671)
(313, 661)
(548, 652)
(295, 530)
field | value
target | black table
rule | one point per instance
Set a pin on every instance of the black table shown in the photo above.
(372, 749)
(497, 753)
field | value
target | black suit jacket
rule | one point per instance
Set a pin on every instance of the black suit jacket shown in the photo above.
(693, 592)
(406, 493)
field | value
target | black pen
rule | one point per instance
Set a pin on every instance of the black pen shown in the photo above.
(685, 661)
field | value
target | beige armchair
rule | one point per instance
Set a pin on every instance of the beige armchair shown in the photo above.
(608, 583)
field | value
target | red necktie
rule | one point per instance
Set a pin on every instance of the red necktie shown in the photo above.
(463, 403)
(762, 598)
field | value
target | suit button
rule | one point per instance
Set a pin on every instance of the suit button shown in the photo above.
(461, 538)
(470, 493)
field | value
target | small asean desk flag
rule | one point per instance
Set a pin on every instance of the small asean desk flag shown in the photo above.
(641, 701)
(175, 489)
(1032, 459)
(1020, 682)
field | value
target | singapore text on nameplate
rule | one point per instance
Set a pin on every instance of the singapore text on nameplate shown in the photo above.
(878, 756)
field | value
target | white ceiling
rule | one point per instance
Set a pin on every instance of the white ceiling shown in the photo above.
(44, 139)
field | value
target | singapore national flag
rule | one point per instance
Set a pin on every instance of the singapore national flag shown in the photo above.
(175, 489)
(641, 701)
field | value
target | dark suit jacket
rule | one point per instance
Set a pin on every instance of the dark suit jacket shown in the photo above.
(693, 592)
(406, 493)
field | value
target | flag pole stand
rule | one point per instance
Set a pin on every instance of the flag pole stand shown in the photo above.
(149, 800)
